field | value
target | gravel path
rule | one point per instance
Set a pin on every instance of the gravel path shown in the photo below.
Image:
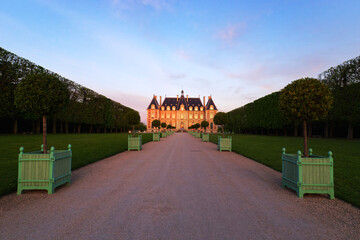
(178, 188)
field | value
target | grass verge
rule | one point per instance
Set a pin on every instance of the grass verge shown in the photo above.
(346, 154)
(86, 148)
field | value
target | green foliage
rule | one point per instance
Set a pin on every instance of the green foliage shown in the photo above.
(204, 124)
(343, 110)
(163, 125)
(155, 123)
(221, 118)
(305, 99)
(196, 126)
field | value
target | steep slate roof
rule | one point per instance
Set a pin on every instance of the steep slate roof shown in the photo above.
(210, 102)
(169, 102)
(155, 102)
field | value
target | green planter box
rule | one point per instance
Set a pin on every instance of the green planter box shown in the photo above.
(205, 137)
(44, 171)
(224, 144)
(163, 135)
(314, 174)
(156, 137)
(134, 143)
(198, 135)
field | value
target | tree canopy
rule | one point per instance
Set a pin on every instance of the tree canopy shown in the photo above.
(221, 119)
(133, 118)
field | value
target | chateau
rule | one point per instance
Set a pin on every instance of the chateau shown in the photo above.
(182, 112)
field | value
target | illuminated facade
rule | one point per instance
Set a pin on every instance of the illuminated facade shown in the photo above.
(182, 112)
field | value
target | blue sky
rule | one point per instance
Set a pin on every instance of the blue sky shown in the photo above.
(128, 50)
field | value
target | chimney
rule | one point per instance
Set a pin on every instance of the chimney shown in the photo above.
(204, 101)
(160, 100)
(155, 96)
(177, 97)
(209, 97)
(187, 98)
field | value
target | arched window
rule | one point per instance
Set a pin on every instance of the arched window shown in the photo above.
(173, 108)
(196, 108)
(211, 125)
(162, 108)
(181, 107)
(211, 107)
(152, 106)
(201, 109)
(168, 108)
(190, 108)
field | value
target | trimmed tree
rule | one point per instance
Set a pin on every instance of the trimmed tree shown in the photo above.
(204, 125)
(196, 126)
(221, 119)
(41, 94)
(163, 125)
(156, 123)
(305, 100)
(133, 118)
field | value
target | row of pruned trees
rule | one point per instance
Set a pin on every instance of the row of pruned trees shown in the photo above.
(85, 111)
(264, 117)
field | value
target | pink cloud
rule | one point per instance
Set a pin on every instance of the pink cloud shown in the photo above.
(182, 54)
(230, 33)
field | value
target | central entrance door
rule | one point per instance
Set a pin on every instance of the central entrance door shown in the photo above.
(181, 125)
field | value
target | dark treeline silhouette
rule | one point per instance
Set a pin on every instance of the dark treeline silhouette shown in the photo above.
(87, 111)
(263, 116)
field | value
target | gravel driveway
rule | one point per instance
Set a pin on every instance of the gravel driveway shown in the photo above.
(178, 188)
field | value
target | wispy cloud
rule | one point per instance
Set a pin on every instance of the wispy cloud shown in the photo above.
(177, 76)
(182, 54)
(230, 33)
(155, 4)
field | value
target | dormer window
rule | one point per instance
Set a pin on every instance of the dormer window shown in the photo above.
(196, 108)
(168, 108)
(190, 108)
(182, 107)
(152, 106)
(211, 107)
(201, 109)
(163, 108)
(173, 108)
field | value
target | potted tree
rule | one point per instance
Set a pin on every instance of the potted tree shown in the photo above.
(221, 119)
(163, 126)
(305, 100)
(43, 94)
(134, 142)
(205, 136)
(156, 135)
(197, 133)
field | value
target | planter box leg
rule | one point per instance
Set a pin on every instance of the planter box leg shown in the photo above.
(332, 194)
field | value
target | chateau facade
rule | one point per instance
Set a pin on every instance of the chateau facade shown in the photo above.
(182, 112)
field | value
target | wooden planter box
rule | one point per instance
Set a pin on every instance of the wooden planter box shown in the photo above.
(314, 174)
(163, 135)
(224, 144)
(198, 135)
(205, 137)
(134, 143)
(44, 171)
(156, 137)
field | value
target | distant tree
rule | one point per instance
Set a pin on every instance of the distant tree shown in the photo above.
(156, 123)
(163, 125)
(221, 119)
(41, 94)
(204, 125)
(196, 126)
(133, 118)
(306, 99)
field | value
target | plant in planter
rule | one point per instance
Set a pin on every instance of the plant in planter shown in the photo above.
(134, 142)
(163, 126)
(305, 100)
(156, 123)
(221, 118)
(197, 133)
(205, 136)
(42, 94)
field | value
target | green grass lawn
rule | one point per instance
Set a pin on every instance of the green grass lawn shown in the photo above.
(346, 154)
(86, 148)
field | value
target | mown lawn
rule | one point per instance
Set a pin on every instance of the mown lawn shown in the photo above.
(346, 154)
(86, 148)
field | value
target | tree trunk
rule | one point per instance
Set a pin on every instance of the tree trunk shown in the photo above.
(276, 132)
(91, 129)
(74, 127)
(331, 134)
(44, 133)
(37, 126)
(79, 128)
(326, 129)
(67, 127)
(105, 129)
(350, 133)
(306, 154)
(61, 127)
(133, 131)
(111, 130)
(310, 129)
(33, 126)
(97, 129)
(54, 126)
(15, 127)
(285, 132)
(295, 131)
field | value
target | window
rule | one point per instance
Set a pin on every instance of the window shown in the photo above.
(173, 108)
(152, 106)
(168, 115)
(211, 115)
(190, 116)
(162, 115)
(201, 109)
(196, 116)
(152, 115)
(196, 108)
(182, 116)
(211, 107)
(211, 125)
(168, 108)
(201, 116)
(163, 108)
(173, 115)
(182, 107)
(190, 108)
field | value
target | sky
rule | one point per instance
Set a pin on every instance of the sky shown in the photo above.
(235, 51)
